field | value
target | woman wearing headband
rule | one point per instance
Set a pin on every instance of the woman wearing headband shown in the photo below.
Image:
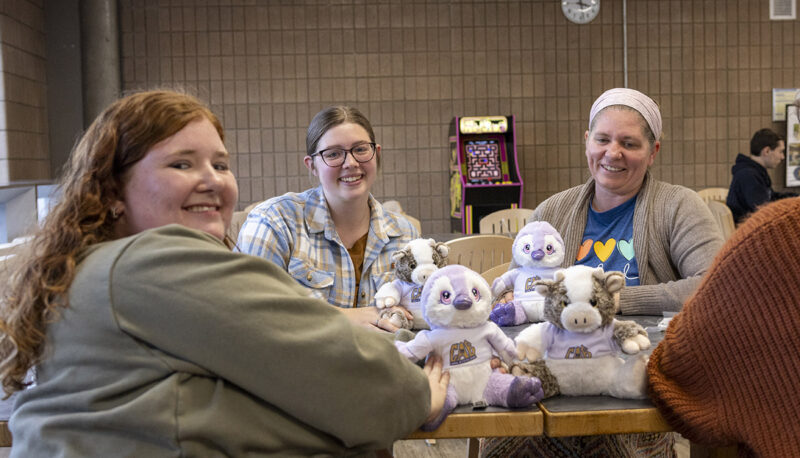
(661, 236)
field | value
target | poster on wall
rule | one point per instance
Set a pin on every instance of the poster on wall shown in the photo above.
(781, 97)
(792, 145)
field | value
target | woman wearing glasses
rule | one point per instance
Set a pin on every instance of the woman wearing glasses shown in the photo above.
(335, 239)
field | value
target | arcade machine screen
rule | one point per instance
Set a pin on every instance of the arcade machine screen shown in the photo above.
(483, 161)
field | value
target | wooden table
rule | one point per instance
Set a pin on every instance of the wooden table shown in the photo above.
(558, 416)
(488, 422)
(555, 417)
(6, 407)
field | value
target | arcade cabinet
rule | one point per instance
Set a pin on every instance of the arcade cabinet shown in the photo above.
(484, 175)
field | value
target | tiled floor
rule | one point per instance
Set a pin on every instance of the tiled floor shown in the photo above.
(457, 448)
(443, 448)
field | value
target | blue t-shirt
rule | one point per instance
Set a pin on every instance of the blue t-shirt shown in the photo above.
(608, 241)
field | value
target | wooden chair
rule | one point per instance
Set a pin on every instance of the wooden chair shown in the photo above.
(718, 194)
(723, 216)
(414, 222)
(495, 272)
(480, 252)
(394, 206)
(504, 221)
(237, 221)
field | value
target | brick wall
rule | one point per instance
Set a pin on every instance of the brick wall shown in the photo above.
(24, 148)
(267, 67)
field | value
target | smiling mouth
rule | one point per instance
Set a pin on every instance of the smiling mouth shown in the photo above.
(611, 168)
(351, 179)
(202, 208)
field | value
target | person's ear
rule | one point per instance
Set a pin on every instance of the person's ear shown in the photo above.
(656, 149)
(586, 136)
(117, 209)
(309, 163)
(764, 151)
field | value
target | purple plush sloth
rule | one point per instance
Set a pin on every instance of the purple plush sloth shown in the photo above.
(537, 253)
(456, 302)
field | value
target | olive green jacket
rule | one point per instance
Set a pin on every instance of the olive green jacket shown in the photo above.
(174, 346)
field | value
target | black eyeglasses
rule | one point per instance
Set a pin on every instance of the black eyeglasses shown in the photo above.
(335, 157)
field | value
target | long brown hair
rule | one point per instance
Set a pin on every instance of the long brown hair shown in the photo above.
(91, 184)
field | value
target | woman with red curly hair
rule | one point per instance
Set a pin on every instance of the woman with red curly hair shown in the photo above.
(149, 337)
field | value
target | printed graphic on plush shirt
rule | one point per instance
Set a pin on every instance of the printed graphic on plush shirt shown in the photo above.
(458, 346)
(462, 352)
(416, 293)
(524, 289)
(578, 352)
(529, 286)
(563, 344)
(608, 241)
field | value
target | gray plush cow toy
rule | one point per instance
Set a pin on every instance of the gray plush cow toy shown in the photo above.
(576, 351)
(414, 264)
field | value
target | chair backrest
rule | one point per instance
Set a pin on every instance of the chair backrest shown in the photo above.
(237, 221)
(480, 252)
(414, 222)
(236, 224)
(718, 194)
(394, 206)
(506, 221)
(495, 272)
(723, 216)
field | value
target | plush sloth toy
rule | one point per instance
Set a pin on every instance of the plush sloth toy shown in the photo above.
(537, 253)
(456, 302)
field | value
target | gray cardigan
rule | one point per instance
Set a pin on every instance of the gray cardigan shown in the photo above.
(174, 346)
(675, 240)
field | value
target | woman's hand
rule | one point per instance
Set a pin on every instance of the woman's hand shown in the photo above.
(438, 381)
(369, 317)
(505, 298)
(497, 363)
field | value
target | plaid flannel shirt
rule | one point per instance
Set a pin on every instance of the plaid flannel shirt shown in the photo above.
(296, 231)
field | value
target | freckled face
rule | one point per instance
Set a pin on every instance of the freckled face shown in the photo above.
(618, 153)
(184, 179)
(353, 180)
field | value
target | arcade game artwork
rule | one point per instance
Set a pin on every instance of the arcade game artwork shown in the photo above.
(484, 175)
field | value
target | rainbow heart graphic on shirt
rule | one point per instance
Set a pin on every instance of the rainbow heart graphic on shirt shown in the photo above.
(584, 249)
(603, 251)
(626, 249)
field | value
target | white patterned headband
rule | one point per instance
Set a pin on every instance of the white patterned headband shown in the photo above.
(630, 98)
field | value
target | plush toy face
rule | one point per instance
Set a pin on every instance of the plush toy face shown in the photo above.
(419, 259)
(581, 298)
(456, 297)
(538, 244)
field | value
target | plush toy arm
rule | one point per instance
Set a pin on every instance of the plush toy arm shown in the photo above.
(502, 344)
(530, 342)
(388, 295)
(503, 282)
(417, 348)
(534, 309)
(630, 337)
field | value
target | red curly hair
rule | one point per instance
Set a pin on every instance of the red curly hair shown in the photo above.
(92, 182)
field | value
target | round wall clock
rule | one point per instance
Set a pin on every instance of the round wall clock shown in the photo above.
(580, 11)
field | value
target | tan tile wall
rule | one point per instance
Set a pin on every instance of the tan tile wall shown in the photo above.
(268, 66)
(24, 153)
